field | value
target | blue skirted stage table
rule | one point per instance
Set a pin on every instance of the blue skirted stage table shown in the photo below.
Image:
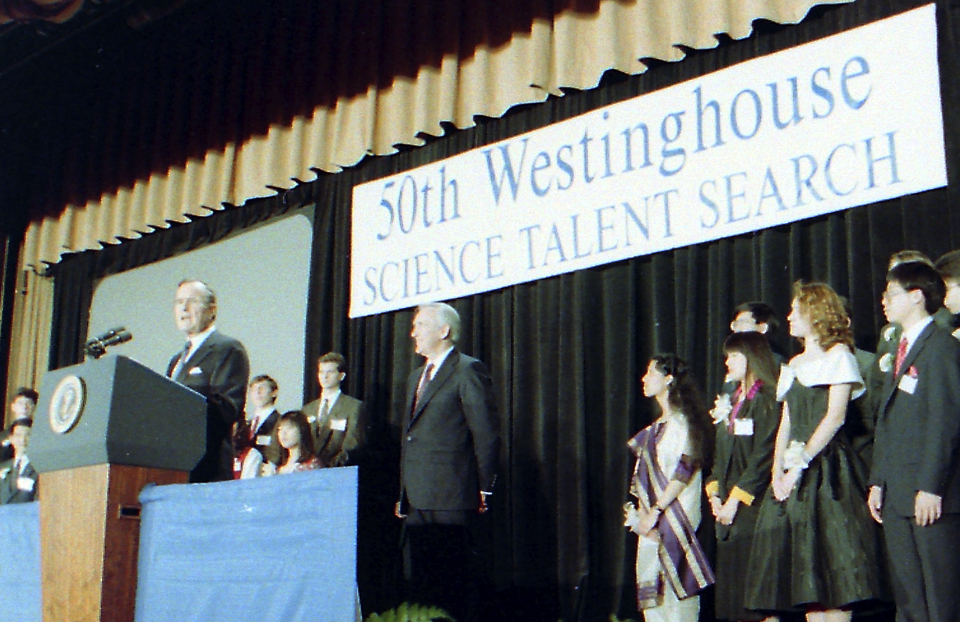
(20, 562)
(277, 549)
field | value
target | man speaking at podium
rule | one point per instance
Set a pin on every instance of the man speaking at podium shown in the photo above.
(214, 365)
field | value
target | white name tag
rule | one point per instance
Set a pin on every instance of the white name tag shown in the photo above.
(26, 484)
(340, 425)
(196, 371)
(263, 439)
(743, 427)
(908, 384)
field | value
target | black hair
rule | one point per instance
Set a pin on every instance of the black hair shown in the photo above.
(299, 419)
(762, 314)
(685, 397)
(760, 362)
(913, 275)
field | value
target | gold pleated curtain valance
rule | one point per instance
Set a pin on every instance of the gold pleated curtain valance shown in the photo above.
(569, 46)
(30, 10)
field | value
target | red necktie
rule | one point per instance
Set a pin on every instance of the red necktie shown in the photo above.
(901, 354)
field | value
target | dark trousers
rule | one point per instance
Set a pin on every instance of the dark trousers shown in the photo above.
(441, 561)
(924, 568)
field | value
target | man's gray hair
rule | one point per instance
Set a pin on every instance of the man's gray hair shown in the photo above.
(447, 316)
(209, 298)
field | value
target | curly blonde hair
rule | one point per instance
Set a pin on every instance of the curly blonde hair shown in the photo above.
(824, 310)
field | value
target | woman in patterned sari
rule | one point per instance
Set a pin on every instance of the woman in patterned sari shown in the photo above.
(671, 565)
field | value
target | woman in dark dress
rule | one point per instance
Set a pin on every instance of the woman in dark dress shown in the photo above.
(815, 549)
(746, 428)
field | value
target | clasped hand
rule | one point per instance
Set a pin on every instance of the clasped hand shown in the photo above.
(641, 523)
(728, 511)
(784, 482)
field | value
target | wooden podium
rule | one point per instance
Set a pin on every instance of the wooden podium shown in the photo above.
(102, 431)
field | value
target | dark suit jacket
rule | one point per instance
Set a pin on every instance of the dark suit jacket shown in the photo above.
(334, 447)
(263, 438)
(874, 378)
(9, 491)
(451, 442)
(218, 370)
(918, 434)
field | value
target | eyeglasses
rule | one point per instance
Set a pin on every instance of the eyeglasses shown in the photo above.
(889, 294)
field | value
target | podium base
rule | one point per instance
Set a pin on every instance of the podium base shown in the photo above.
(89, 536)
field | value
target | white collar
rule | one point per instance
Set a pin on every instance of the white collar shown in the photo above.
(197, 340)
(331, 397)
(261, 413)
(914, 331)
(437, 362)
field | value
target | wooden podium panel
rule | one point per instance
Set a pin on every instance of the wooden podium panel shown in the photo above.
(89, 536)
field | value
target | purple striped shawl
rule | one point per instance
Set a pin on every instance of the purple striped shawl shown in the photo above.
(683, 562)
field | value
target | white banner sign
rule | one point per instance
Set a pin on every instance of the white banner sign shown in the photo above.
(848, 120)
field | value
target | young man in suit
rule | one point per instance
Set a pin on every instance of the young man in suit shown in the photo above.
(915, 480)
(450, 437)
(253, 439)
(215, 366)
(22, 405)
(338, 420)
(18, 478)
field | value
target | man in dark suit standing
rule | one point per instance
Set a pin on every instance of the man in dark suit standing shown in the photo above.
(449, 458)
(338, 420)
(18, 478)
(253, 439)
(22, 405)
(214, 365)
(915, 481)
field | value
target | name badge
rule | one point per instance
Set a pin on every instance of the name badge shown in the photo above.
(263, 439)
(743, 427)
(340, 425)
(26, 484)
(196, 371)
(908, 384)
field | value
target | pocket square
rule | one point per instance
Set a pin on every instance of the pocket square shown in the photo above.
(196, 371)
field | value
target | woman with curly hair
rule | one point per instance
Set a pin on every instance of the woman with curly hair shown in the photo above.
(746, 423)
(671, 452)
(815, 550)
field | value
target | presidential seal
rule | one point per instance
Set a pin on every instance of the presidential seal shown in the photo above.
(66, 405)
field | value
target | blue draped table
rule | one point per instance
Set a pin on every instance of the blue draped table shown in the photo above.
(20, 597)
(277, 549)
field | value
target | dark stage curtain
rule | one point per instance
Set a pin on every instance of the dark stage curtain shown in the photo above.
(567, 352)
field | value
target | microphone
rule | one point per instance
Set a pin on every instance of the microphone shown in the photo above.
(97, 346)
(121, 336)
(106, 335)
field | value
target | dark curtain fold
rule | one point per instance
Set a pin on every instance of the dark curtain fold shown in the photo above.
(566, 352)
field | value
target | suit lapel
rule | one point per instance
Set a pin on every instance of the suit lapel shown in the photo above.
(907, 362)
(201, 353)
(440, 377)
(270, 422)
